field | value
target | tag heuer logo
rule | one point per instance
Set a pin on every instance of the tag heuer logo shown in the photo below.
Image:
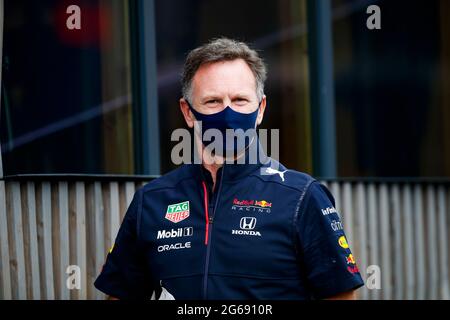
(177, 212)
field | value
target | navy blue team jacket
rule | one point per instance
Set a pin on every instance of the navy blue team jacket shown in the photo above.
(261, 234)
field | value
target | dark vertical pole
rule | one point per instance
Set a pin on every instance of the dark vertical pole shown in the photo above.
(145, 92)
(322, 87)
(1, 67)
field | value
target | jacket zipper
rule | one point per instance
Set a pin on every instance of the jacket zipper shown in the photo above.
(209, 221)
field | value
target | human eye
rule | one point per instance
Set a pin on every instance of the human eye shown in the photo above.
(212, 101)
(241, 101)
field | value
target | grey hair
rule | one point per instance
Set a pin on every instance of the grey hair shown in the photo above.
(223, 49)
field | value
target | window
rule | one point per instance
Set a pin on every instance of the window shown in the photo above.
(392, 89)
(66, 94)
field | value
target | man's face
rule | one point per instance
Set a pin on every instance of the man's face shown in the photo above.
(218, 85)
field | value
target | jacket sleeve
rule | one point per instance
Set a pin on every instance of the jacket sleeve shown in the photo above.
(125, 274)
(325, 255)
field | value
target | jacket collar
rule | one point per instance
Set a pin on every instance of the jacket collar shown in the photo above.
(253, 160)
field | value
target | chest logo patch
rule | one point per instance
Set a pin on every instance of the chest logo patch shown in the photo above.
(251, 205)
(177, 212)
(272, 171)
(343, 242)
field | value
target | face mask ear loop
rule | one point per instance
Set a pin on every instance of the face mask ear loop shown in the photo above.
(189, 104)
(259, 106)
(193, 111)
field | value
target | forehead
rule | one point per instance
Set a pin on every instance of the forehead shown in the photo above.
(224, 77)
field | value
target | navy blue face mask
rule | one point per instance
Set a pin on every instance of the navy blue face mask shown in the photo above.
(228, 119)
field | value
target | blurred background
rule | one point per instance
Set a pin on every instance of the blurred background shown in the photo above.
(87, 115)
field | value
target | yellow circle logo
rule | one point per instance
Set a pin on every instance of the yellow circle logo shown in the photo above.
(343, 242)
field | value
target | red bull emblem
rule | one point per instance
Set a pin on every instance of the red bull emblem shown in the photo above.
(263, 204)
(353, 269)
(350, 259)
(251, 205)
(243, 202)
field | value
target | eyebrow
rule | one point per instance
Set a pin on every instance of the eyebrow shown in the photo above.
(241, 95)
(207, 98)
(213, 97)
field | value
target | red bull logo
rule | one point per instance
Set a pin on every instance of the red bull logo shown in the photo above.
(237, 202)
(350, 259)
(263, 204)
(353, 269)
(251, 205)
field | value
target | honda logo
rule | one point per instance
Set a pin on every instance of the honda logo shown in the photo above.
(248, 223)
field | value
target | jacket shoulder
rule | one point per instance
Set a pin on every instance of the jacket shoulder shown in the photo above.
(170, 179)
(274, 171)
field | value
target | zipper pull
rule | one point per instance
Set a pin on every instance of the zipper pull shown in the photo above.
(210, 220)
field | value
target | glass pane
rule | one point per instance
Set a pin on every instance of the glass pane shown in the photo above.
(392, 94)
(277, 29)
(66, 94)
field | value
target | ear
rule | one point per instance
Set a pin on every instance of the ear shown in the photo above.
(188, 116)
(262, 108)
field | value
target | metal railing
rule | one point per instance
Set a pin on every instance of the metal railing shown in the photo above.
(48, 223)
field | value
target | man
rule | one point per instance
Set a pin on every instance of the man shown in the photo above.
(224, 230)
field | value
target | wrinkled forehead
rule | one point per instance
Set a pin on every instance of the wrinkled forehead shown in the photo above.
(224, 78)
